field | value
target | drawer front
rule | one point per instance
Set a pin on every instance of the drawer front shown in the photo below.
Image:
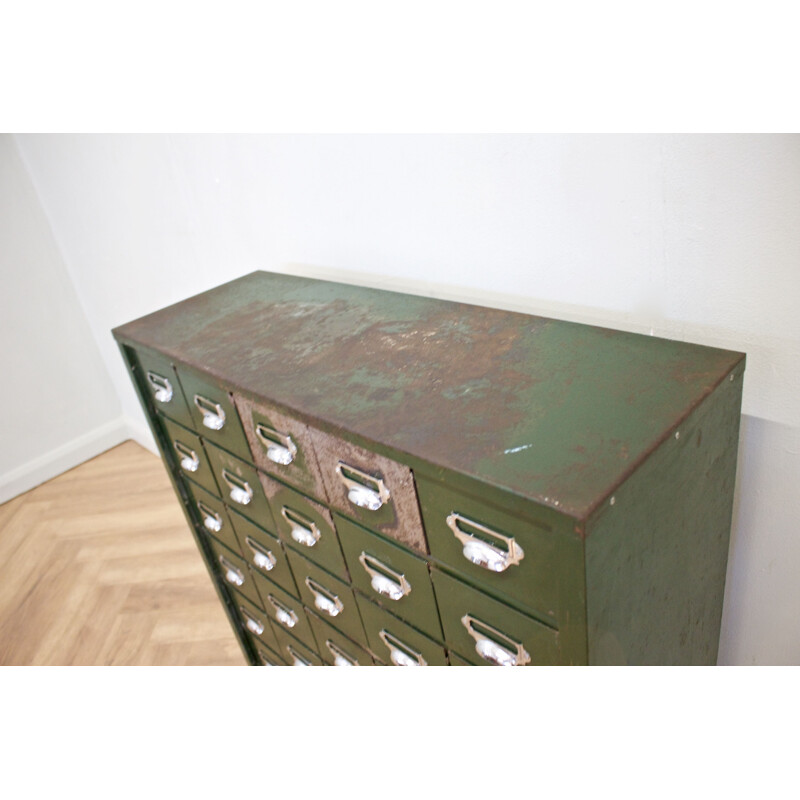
(371, 489)
(266, 656)
(214, 518)
(457, 661)
(240, 486)
(488, 631)
(390, 575)
(233, 571)
(188, 455)
(394, 642)
(281, 446)
(213, 412)
(162, 385)
(296, 653)
(335, 649)
(263, 553)
(285, 612)
(254, 621)
(521, 561)
(305, 526)
(330, 598)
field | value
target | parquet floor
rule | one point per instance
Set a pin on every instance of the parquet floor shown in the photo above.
(97, 566)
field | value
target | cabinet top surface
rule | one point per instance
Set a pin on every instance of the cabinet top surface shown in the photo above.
(556, 411)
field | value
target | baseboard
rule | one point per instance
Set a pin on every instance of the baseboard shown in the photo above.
(141, 434)
(68, 455)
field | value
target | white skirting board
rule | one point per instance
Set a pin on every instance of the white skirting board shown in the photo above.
(69, 455)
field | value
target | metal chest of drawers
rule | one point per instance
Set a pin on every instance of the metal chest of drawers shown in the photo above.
(380, 478)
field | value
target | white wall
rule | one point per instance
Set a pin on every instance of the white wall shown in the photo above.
(693, 237)
(58, 404)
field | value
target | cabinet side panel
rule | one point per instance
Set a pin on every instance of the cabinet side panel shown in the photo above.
(656, 558)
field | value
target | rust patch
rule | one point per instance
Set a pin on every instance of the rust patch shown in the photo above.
(399, 516)
(303, 471)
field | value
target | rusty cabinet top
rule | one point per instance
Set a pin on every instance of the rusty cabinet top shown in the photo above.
(558, 412)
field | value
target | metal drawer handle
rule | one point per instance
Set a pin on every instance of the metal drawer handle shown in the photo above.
(280, 447)
(297, 659)
(262, 558)
(190, 461)
(213, 414)
(385, 580)
(162, 388)
(252, 624)
(364, 491)
(340, 658)
(284, 615)
(233, 575)
(325, 600)
(483, 553)
(304, 531)
(488, 647)
(400, 654)
(211, 520)
(241, 491)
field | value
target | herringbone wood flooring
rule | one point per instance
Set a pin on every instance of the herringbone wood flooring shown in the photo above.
(98, 566)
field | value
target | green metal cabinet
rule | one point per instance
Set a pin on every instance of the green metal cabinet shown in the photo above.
(474, 486)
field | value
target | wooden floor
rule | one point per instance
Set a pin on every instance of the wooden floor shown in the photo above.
(98, 566)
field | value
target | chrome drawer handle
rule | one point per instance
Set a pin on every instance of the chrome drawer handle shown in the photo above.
(241, 491)
(252, 624)
(211, 520)
(482, 553)
(304, 531)
(297, 659)
(284, 615)
(364, 491)
(488, 647)
(400, 654)
(384, 580)
(280, 447)
(340, 658)
(190, 461)
(262, 558)
(213, 413)
(325, 600)
(233, 575)
(162, 388)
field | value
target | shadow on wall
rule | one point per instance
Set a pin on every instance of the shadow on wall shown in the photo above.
(762, 591)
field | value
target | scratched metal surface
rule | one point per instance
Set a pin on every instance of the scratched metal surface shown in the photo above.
(555, 411)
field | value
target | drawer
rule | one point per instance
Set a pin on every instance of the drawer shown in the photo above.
(285, 612)
(281, 446)
(240, 486)
(390, 575)
(371, 489)
(457, 661)
(296, 653)
(234, 572)
(254, 621)
(305, 526)
(331, 598)
(265, 656)
(263, 553)
(489, 632)
(394, 642)
(335, 648)
(162, 385)
(186, 450)
(214, 518)
(521, 561)
(213, 412)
